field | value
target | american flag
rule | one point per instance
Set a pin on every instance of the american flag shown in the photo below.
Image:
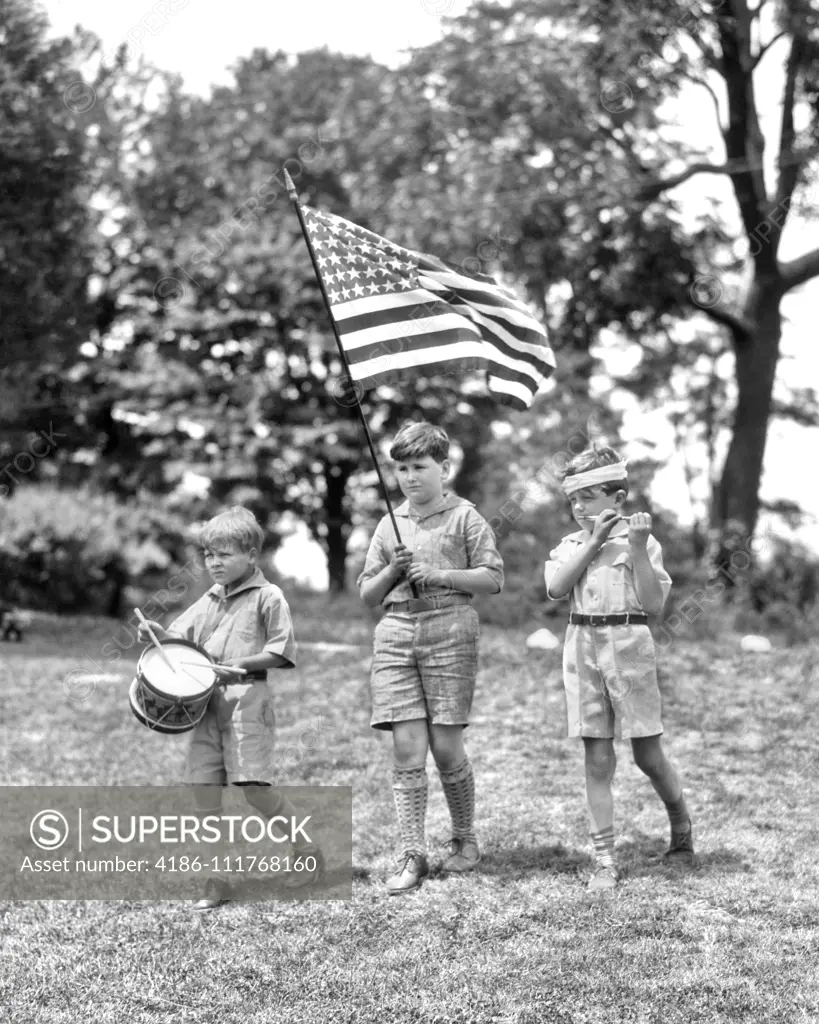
(400, 312)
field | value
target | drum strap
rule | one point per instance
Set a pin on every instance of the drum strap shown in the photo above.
(216, 613)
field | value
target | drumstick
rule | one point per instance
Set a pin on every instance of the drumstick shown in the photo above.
(144, 622)
(224, 668)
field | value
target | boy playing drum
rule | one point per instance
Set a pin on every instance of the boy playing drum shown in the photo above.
(242, 621)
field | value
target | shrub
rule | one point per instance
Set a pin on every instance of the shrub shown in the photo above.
(75, 550)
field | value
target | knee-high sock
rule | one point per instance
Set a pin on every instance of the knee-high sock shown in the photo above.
(409, 790)
(604, 846)
(678, 816)
(459, 790)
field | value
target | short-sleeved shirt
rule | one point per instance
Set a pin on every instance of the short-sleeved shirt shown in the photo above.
(253, 619)
(607, 584)
(451, 535)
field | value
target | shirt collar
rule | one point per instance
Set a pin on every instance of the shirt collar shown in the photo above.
(448, 501)
(258, 579)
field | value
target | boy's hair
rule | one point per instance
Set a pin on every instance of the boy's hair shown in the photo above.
(415, 440)
(236, 527)
(594, 457)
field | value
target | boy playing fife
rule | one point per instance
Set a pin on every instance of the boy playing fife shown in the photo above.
(425, 656)
(613, 570)
(242, 621)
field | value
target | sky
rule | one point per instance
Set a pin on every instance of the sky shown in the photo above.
(201, 39)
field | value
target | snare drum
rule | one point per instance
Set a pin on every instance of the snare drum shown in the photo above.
(172, 701)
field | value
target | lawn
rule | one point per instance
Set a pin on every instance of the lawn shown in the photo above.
(518, 941)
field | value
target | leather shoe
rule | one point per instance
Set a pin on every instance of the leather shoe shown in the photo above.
(603, 878)
(412, 871)
(217, 892)
(464, 855)
(680, 852)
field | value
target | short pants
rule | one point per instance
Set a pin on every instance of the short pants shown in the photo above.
(234, 740)
(425, 666)
(610, 678)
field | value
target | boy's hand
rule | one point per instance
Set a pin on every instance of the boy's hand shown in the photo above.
(228, 670)
(639, 529)
(424, 574)
(159, 631)
(400, 561)
(606, 522)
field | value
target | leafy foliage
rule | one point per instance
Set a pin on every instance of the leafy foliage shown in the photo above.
(75, 551)
(45, 239)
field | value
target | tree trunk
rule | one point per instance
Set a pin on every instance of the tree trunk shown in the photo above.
(735, 507)
(337, 520)
(118, 578)
(470, 480)
(337, 561)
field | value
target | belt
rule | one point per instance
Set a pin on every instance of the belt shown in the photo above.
(251, 677)
(428, 604)
(618, 619)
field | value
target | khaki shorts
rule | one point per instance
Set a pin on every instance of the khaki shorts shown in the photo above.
(425, 666)
(610, 678)
(234, 740)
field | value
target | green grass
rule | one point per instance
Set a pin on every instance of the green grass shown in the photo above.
(518, 941)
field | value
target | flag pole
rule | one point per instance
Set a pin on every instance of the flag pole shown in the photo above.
(293, 195)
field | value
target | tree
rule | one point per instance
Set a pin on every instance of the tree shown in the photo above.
(726, 41)
(731, 40)
(566, 103)
(45, 230)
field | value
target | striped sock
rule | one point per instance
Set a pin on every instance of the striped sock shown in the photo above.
(604, 846)
(678, 816)
(459, 790)
(409, 790)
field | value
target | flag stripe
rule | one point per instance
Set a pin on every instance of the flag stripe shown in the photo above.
(392, 340)
(538, 354)
(447, 289)
(406, 333)
(373, 303)
(510, 317)
(519, 396)
(393, 328)
(414, 315)
(463, 355)
(516, 394)
(470, 351)
(380, 325)
(527, 342)
(362, 350)
(465, 284)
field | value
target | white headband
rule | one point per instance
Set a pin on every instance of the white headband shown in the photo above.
(601, 475)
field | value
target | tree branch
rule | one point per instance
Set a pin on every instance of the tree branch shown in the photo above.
(743, 136)
(798, 271)
(707, 86)
(788, 167)
(651, 189)
(764, 49)
(739, 327)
